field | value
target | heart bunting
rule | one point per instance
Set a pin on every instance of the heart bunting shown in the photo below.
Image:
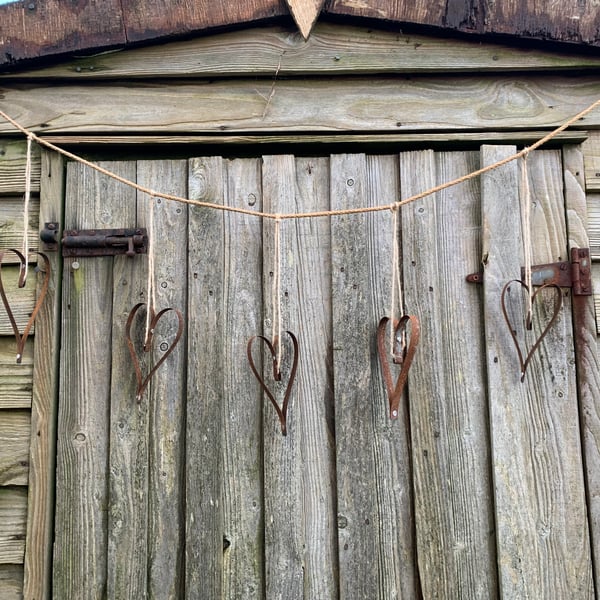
(142, 382)
(21, 338)
(524, 363)
(281, 410)
(403, 357)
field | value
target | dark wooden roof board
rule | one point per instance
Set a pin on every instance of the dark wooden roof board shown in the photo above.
(45, 28)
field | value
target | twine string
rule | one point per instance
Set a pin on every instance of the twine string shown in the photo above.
(276, 293)
(150, 287)
(397, 298)
(326, 213)
(25, 244)
(527, 242)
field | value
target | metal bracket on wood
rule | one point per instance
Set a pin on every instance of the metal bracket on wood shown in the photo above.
(96, 242)
(576, 274)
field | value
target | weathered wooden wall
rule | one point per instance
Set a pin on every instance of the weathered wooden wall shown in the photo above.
(15, 380)
(507, 107)
(349, 502)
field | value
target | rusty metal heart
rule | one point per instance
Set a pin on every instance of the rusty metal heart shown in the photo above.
(281, 410)
(524, 363)
(404, 357)
(21, 338)
(142, 382)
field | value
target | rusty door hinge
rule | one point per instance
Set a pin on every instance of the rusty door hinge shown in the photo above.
(576, 274)
(96, 242)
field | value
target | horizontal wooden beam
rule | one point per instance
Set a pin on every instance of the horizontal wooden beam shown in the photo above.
(13, 516)
(317, 140)
(330, 50)
(11, 582)
(15, 433)
(347, 105)
(12, 167)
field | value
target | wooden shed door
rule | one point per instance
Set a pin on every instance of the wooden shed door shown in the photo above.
(477, 491)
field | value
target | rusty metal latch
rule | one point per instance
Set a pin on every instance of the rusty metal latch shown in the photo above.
(576, 274)
(98, 242)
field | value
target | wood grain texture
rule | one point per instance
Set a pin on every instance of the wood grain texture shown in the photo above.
(146, 20)
(243, 478)
(593, 224)
(319, 140)
(204, 472)
(21, 300)
(12, 166)
(331, 49)
(11, 226)
(283, 484)
(300, 536)
(14, 440)
(311, 245)
(11, 582)
(40, 511)
(15, 380)
(569, 21)
(127, 526)
(542, 530)
(53, 27)
(13, 516)
(344, 105)
(448, 404)
(375, 524)
(82, 495)
(586, 350)
(591, 158)
(596, 285)
(166, 392)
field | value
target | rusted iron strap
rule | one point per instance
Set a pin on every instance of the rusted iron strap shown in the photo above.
(281, 410)
(21, 338)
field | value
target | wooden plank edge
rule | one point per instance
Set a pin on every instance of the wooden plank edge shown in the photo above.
(331, 49)
(474, 137)
(40, 520)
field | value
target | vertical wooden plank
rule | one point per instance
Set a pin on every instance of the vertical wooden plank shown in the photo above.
(309, 248)
(300, 547)
(205, 383)
(80, 549)
(448, 404)
(243, 505)
(42, 453)
(284, 487)
(128, 460)
(376, 549)
(542, 535)
(166, 393)
(586, 349)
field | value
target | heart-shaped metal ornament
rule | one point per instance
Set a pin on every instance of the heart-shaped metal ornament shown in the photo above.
(142, 382)
(524, 362)
(405, 346)
(21, 338)
(281, 410)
